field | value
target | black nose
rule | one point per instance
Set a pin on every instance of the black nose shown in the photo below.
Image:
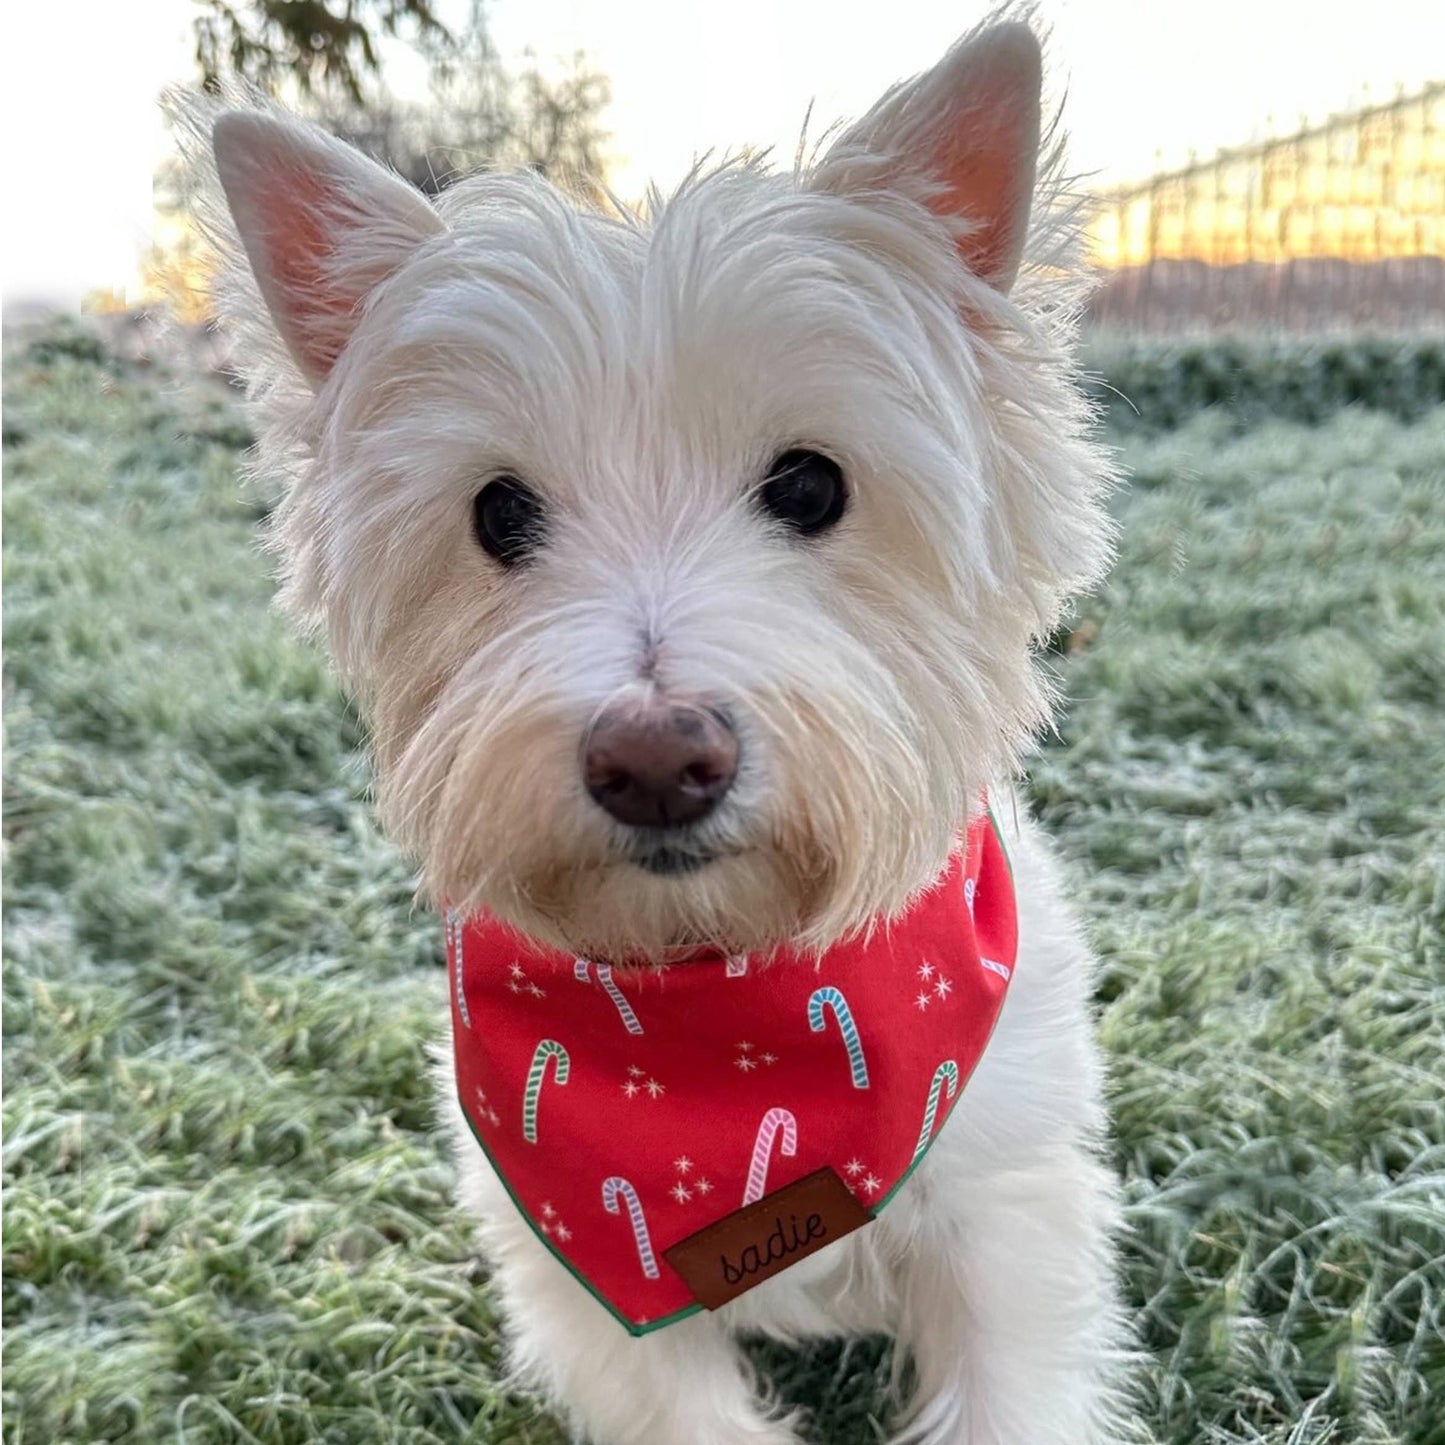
(659, 765)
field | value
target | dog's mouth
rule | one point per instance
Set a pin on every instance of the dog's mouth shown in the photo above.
(670, 860)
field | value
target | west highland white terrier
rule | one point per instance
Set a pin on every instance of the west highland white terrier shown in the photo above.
(690, 566)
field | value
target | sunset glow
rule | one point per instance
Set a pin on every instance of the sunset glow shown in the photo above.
(1146, 85)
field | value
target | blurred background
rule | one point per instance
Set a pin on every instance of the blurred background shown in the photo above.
(227, 1204)
(1253, 163)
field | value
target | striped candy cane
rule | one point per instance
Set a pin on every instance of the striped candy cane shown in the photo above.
(547, 1049)
(617, 1188)
(773, 1120)
(454, 945)
(993, 966)
(832, 998)
(604, 977)
(946, 1072)
(737, 966)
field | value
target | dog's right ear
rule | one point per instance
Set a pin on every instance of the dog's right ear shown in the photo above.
(322, 227)
(963, 138)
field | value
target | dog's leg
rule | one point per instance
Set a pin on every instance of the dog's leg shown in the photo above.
(1007, 1305)
(686, 1384)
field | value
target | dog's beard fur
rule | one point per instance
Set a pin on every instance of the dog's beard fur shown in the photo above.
(640, 372)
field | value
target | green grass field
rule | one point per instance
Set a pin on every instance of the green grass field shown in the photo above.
(226, 1212)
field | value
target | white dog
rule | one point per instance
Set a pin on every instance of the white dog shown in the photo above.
(690, 566)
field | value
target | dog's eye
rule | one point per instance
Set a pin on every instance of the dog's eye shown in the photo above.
(805, 490)
(509, 520)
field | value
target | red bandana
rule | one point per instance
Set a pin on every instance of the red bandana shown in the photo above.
(626, 1109)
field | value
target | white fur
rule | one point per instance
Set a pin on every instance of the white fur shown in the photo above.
(639, 371)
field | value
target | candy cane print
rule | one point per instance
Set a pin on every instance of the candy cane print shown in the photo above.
(773, 1120)
(946, 1072)
(615, 1188)
(832, 998)
(604, 977)
(547, 1049)
(454, 942)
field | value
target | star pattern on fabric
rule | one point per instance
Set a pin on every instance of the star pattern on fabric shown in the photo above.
(551, 1224)
(519, 983)
(631, 1088)
(861, 1179)
(943, 987)
(923, 1000)
(746, 1063)
(768, 1058)
(926, 971)
(654, 1089)
(680, 1192)
(703, 1186)
(682, 1164)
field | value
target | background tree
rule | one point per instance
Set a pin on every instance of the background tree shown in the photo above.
(478, 113)
(330, 41)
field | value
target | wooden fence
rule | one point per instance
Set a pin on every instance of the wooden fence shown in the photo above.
(1339, 224)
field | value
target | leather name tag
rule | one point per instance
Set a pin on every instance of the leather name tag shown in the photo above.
(728, 1258)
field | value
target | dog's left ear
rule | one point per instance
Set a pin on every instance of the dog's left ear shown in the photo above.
(964, 139)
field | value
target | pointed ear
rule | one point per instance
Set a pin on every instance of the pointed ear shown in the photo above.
(964, 139)
(321, 225)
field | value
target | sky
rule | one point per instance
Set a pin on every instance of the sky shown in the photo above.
(1146, 82)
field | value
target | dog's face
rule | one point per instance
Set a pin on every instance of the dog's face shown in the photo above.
(687, 565)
